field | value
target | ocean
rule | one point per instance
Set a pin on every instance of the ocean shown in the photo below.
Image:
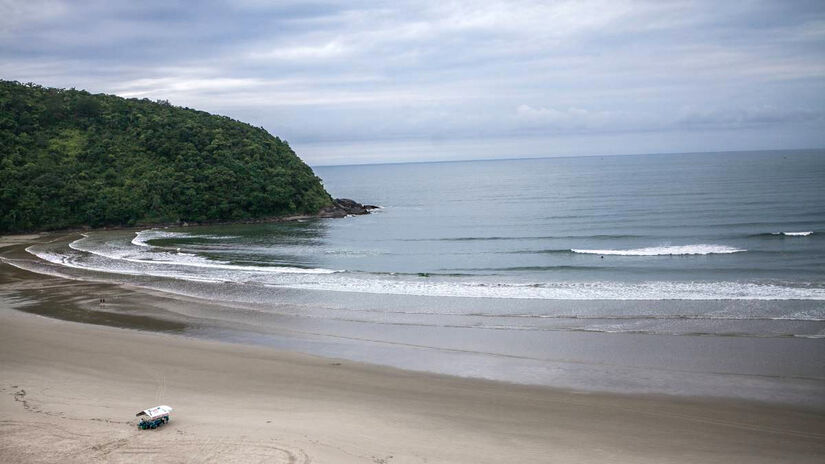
(661, 273)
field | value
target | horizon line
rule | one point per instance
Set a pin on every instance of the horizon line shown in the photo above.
(568, 156)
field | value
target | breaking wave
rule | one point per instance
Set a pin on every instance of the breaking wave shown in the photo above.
(147, 255)
(143, 237)
(794, 234)
(115, 258)
(667, 250)
(804, 233)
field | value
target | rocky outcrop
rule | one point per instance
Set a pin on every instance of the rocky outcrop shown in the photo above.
(342, 207)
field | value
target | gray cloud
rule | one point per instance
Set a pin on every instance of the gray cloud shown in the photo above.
(765, 115)
(394, 78)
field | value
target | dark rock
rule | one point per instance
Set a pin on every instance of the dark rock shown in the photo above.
(343, 207)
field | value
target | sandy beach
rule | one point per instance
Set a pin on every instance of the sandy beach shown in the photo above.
(430, 232)
(70, 392)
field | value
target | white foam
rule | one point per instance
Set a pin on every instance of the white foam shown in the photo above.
(70, 262)
(161, 258)
(143, 237)
(795, 234)
(119, 257)
(603, 290)
(606, 290)
(701, 249)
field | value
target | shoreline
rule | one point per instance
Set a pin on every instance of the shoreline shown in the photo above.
(70, 390)
(778, 371)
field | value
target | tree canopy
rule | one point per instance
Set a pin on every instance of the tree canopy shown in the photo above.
(69, 158)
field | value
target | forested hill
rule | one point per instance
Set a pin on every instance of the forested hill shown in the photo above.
(69, 158)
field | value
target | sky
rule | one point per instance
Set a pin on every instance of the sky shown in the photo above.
(368, 82)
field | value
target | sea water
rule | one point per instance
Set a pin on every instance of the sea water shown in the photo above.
(506, 269)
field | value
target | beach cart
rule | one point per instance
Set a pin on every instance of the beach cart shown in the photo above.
(153, 418)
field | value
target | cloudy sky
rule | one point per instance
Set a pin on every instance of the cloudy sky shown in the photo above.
(357, 81)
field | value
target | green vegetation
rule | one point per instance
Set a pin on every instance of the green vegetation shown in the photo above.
(69, 158)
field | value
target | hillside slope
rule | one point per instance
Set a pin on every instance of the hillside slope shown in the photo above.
(69, 158)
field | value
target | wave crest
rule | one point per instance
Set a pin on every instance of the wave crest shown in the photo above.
(159, 256)
(795, 234)
(143, 237)
(678, 250)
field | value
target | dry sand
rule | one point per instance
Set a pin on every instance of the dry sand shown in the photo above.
(69, 393)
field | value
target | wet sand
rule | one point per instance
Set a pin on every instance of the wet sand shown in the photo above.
(69, 391)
